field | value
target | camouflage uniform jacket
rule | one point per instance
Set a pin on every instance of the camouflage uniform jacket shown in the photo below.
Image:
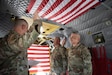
(59, 60)
(13, 51)
(79, 61)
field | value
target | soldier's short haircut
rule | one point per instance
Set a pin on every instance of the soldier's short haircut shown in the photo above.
(75, 32)
(20, 21)
(57, 38)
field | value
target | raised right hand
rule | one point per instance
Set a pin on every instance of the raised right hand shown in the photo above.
(36, 16)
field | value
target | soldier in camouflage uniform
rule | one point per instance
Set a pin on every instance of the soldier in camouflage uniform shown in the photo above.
(79, 57)
(13, 47)
(58, 58)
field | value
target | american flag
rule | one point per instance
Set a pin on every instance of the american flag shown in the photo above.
(61, 11)
(42, 56)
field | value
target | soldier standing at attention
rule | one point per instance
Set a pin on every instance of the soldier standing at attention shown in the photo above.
(59, 58)
(79, 57)
(13, 47)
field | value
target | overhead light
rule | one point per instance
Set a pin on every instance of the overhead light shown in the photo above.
(89, 32)
(108, 22)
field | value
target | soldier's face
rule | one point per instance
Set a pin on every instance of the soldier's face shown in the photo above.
(25, 29)
(22, 29)
(56, 41)
(74, 39)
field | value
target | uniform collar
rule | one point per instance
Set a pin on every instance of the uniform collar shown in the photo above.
(14, 32)
(76, 45)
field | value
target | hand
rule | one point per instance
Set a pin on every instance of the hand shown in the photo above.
(38, 22)
(64, 41)
(36, 16)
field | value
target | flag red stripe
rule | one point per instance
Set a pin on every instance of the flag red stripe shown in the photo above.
(71, 10)
(45, 61)
(38, 49)
(38, 57)
(63, 9)
(104, 52)
(52, 7)
(38, 53)
(39, 71)
(30, 5)
(79, 10)
(41, 66)
(82, 13)
(42, 5)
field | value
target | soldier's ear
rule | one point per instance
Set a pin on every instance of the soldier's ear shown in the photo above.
(23, 26)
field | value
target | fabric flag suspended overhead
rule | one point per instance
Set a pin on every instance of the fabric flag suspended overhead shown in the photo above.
(61, 11)
(41, 59)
